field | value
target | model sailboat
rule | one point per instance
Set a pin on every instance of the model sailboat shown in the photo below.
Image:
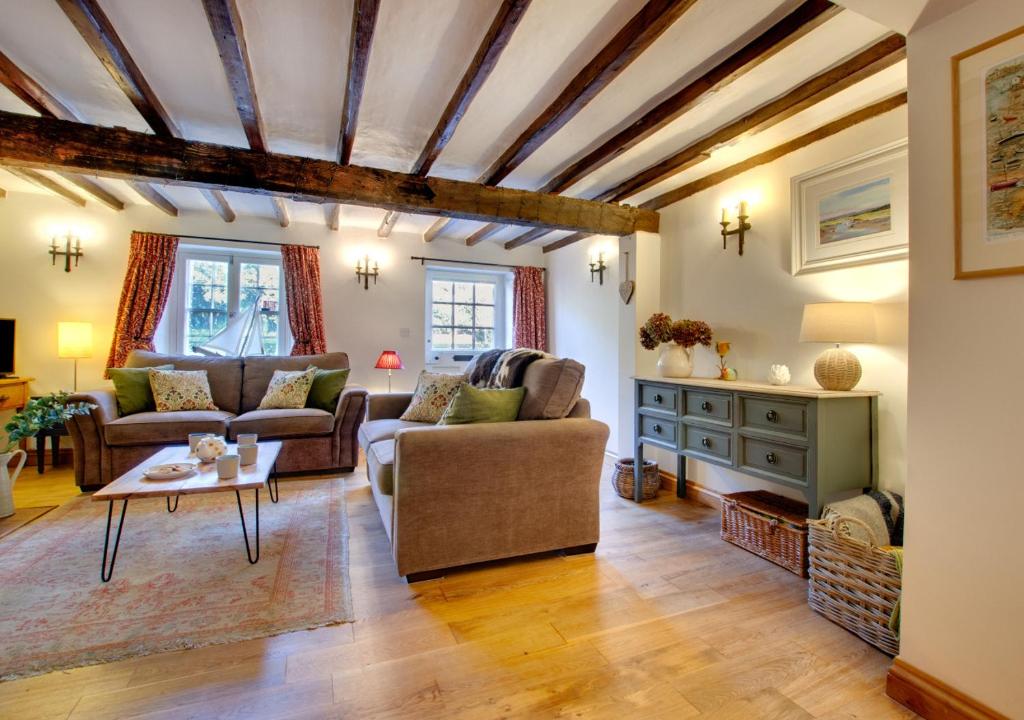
(242, 336)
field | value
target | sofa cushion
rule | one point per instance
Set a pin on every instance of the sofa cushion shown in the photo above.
(373, 431)
(259, 370)
(552, 389)
(165, 428)
(434, 391)
(223, 373)
(299, 422)
(380, 462)
(288, 390)
(134, 395)
(483, 405)
(175, 390)
(327, 387)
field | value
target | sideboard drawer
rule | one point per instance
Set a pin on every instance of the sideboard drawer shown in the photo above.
(662, 399)
(774, 458)
(777, 416)
(13, 396)
(709, 406)
(658, 431)
(713, 443)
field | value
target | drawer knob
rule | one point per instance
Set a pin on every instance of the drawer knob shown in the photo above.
(705, 441)
(657, 428)
(771, 457)
(772, 416)
(658, 398)
(706, 406)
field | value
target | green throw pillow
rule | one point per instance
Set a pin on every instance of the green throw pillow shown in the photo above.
(327, 387)
(477, 405)
(131, 385)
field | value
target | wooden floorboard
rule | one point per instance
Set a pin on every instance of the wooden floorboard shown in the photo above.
(664, 621)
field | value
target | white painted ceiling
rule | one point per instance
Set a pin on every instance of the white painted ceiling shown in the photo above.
(299, 52)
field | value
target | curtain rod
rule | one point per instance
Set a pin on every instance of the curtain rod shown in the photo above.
(224, 239)
(423, 261)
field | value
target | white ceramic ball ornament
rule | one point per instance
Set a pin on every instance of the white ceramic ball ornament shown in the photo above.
(778, 375)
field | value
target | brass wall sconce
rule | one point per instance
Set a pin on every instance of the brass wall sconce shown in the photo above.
(598, 266)
(68, 252)
(739, 230)
(364, 273)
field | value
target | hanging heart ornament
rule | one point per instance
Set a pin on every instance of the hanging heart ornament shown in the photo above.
(627, 287)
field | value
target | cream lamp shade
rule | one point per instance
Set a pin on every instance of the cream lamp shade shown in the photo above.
(838, 322)
(74, 339)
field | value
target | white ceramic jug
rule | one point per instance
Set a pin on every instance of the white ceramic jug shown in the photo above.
(7, 479)
(210, 448)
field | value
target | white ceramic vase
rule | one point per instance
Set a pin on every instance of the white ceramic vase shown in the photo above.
(675, 361)
(7, 479)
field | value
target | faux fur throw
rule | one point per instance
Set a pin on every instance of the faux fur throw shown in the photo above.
(502, 368)
(877, 517)
(479, 371)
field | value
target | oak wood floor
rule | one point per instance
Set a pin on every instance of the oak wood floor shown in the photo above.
(664, 621)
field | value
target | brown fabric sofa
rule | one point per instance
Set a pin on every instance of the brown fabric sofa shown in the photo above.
(107, 445)
(452, 495)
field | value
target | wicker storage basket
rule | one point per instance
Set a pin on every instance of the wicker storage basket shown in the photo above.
(622, 479)
(768, 525)
(853, 584)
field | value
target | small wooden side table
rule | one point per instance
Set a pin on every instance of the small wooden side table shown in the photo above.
(55, 434)
(14, 392)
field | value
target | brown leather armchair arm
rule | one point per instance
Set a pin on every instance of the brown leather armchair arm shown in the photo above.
(87, 436)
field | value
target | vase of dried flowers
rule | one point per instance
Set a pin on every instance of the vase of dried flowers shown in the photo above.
(679, 338)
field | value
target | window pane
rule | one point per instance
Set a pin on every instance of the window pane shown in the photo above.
(441, 339)
(442, 291)
(442, 314)
(464, 315)
(485, 316)
(485, 293)
(206, 293)
(463, 292)
(463, 339)
(484, 339)
(262, 281)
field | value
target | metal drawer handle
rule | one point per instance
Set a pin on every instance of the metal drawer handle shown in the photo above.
(771, 457)
(772, 416)
(658, 398)
(705, 406)
(705, 441)
(657, 428)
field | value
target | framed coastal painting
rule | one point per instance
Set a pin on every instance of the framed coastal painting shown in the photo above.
(988, 158)
(851, 212)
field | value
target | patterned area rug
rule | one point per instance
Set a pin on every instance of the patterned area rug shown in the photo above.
(181, 580)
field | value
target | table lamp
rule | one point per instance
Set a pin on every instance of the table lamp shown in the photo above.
(389, 360)
(74, 340)
(838, 322)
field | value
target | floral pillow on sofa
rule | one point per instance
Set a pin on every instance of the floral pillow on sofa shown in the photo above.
(180, 390)
(288, 389)
(434, 392)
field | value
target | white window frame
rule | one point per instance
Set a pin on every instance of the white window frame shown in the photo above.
(176, 333)
(502, 310)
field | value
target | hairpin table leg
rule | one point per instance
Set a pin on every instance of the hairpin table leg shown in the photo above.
(245, 533)
(107, 571)
(169, 508)
(272, 488)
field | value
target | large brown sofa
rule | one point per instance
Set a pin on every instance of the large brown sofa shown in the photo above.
(452, 495)
(107, 445)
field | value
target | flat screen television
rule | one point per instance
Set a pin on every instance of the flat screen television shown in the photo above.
(6, 347)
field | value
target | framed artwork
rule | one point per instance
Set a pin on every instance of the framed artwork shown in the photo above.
(852, 212)
(988, 157)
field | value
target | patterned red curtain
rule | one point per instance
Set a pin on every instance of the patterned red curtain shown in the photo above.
(147, 285)
(301, 265)
(529, 318)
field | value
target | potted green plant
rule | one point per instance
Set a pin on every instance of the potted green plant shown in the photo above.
(40, 413)
(679, 338)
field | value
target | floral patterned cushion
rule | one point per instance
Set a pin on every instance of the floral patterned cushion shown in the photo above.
(434, 391)
(180, 390)
(288, 389)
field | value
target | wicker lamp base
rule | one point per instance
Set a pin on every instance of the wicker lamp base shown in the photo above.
(837, 369)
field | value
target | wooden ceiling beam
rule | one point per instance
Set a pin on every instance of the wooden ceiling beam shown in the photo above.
(40, 180)
(334, 216)
(3, 193)
(525, 238)
(156, 198)
(364, 18)
(483, 233)
(117, 152)
(387, 224)
(567, 240)
(219, 203)
(281, 211)
(92, 187)
(883, 54)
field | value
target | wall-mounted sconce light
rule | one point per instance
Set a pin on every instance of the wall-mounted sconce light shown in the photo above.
(597, 266)
(364, 273)
(68, 252)
(741, 228)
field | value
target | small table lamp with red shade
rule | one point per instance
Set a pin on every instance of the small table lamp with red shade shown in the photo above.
(389, 360)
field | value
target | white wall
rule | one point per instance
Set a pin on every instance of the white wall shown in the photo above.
(964, 577)
(361, 323)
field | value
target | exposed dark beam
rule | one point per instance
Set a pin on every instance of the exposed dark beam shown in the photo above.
(883, 54)
(526, 237)
(92, 187)
(281, 211)
(46, 183)
(117, 152)
(97, 30)
(334, 216)
(364, 17)
(483, 233)
(154, 197)
(567, 240)
(226, 25)
(219, 203)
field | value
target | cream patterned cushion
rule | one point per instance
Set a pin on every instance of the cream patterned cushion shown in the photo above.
(288, 389)
(434, 391)
(180, 390)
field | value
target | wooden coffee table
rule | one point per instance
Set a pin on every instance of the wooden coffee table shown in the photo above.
(134, 485)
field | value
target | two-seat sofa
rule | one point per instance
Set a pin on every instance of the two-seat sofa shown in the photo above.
(108, 444)
(454, 495)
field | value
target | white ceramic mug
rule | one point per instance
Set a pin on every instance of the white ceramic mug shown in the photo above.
(247, 438)
(193, 440)
(248, 454)
(227, 467)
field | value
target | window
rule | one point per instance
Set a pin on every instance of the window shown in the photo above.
(465, 311)
(211, 287)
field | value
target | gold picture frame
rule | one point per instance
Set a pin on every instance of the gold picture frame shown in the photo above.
(988, 158)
